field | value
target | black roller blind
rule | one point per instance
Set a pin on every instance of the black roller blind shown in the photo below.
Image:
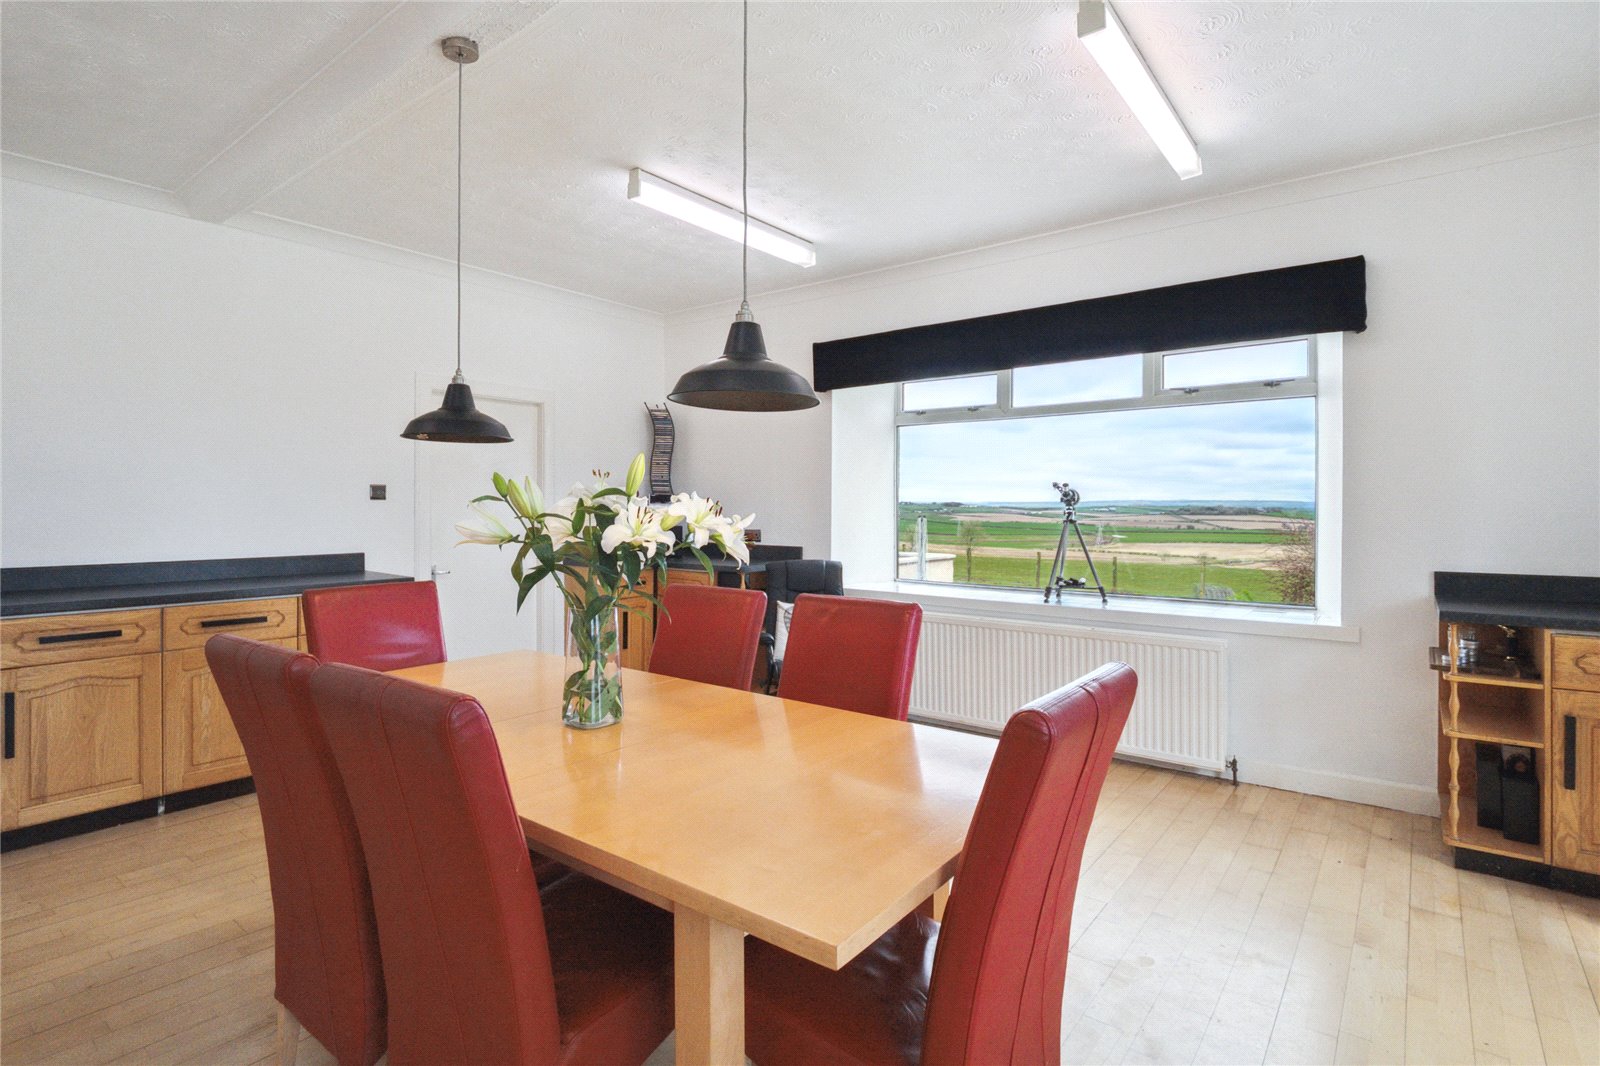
(1326, 297)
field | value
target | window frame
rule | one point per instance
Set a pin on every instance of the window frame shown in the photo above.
(1152, 396)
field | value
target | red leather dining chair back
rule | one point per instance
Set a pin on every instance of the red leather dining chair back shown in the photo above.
(379, 627)
(855, 654)
(999, 972)
(327, 968)
(709, 634)
(465, 956)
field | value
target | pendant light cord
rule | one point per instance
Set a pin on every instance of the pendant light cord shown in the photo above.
(744, 166)
(460, 85)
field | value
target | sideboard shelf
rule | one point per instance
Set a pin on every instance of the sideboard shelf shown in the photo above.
(1536, 684)
(1472, 835)
(1523, 728)
(1519, 699)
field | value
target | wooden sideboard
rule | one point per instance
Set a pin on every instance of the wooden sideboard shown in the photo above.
(1546, 711)
(1575, 752)
(636, 618)
(112, 707)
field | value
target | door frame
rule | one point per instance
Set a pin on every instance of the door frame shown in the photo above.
(429, 395)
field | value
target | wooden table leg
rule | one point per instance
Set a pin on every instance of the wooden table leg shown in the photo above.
(933, 906)
(288, 1036)
(709, 990)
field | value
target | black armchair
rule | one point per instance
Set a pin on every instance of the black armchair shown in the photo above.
(786, 580)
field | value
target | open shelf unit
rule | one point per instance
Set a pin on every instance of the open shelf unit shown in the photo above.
(1518, 677)
(1498, 708)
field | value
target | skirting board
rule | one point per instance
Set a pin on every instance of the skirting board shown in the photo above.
(1413, 799)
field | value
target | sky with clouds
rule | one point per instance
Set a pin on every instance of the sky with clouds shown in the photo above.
(1255, 450)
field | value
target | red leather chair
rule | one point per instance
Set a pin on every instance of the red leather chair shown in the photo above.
(999, 961)
(386, 627)
(709, 634)
(479, 969)
(380, 627)
(329, 978)
(855, 654)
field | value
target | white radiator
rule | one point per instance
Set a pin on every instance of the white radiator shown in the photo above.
(977, 672)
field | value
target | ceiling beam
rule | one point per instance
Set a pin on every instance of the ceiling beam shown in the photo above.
(387, 70)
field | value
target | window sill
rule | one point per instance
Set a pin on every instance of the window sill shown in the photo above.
(1024, 604)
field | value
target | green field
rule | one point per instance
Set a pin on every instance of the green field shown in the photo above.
(943, 529)
(1142, 579)
(988, 550)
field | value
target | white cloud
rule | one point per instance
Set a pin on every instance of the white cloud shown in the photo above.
(1259, 450)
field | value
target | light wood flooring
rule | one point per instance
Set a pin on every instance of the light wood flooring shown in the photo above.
(1213, 924)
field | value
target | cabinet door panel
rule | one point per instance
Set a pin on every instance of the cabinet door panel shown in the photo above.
(1575, 781)
(202, 747)
(86, 736)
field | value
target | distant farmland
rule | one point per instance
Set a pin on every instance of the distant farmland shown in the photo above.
(1206, 550)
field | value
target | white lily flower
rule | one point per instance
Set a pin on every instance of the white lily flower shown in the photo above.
(730, 537)
(488, 530)
(637, 525)
(589, 496)
(559, 524)
(697, 515)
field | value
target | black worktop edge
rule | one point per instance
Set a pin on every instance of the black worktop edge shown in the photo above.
(166, 584)
(104, 575)
(1551, 601)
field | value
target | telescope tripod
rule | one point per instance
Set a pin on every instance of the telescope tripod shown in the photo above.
(1057, 582)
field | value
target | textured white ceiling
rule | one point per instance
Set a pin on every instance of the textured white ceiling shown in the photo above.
(151, 92)
(882, 132)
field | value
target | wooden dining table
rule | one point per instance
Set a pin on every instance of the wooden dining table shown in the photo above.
(812, 828)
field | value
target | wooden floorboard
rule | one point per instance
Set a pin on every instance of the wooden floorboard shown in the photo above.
(1213, 925)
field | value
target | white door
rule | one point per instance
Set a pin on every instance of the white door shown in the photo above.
(477, 598)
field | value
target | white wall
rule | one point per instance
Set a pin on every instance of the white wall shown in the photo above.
(1472, 412)
(174, 389)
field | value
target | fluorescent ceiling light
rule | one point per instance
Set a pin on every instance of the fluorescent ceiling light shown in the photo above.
(1102, 33)
(661, 194)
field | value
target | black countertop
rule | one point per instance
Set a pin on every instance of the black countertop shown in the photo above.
(34, 590)
(1547, 601)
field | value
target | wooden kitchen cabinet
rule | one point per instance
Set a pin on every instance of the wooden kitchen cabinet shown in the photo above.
(1549, 709)
(112, 707)
(636, 628)
(201, 746)
(79, 737)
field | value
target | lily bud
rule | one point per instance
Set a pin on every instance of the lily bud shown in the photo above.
(635, 475)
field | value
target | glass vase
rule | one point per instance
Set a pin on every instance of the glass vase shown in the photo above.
(592, 692)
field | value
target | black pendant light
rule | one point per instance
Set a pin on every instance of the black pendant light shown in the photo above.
(458, 420)
(744, 379)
